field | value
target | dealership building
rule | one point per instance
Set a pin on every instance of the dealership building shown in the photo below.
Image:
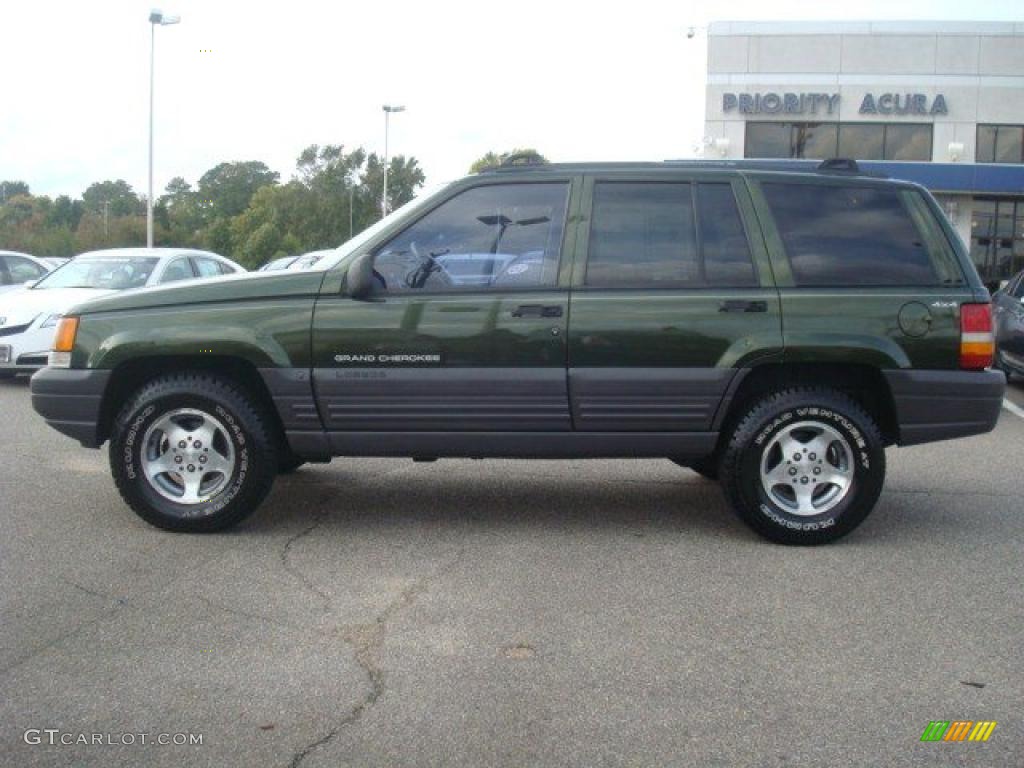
(939, 103)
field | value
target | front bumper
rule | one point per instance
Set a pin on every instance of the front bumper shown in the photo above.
(27, 349)
(70, 400)
(939, 405)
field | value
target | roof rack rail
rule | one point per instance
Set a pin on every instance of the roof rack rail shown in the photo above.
(522, 158)
(839, 165)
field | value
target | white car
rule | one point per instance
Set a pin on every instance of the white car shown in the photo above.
(28, 316)
(16, 269)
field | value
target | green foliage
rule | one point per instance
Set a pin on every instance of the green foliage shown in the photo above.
(492, 159)
(117, 197)
(226, 189)
(238, 209)
(12, 189)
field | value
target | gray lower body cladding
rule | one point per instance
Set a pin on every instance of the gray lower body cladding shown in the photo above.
(940, 405)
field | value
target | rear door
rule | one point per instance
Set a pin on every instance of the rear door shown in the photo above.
(672, 293)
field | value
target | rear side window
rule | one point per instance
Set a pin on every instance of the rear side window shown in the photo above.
(23, 270)
(206, 267)
(849, 235)
(644, 234)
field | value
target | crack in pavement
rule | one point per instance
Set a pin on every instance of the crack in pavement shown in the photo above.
(317, 522)
(108, 614)
(366, 640)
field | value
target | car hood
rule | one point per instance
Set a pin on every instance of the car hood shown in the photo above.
(19, 307)
(249, 285)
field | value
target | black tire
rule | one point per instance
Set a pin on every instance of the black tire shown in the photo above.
(706, 467)
(753, 438)
(288, 462)
(246, 426)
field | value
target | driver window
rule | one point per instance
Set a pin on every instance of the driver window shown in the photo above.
(494, 237)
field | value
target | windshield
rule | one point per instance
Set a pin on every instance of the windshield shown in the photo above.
(110, 273)
(357, 242)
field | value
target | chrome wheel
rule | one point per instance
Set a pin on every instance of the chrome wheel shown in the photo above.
(807, 468)
(187, 456)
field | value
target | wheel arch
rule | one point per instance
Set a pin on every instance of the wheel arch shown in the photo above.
(128, 376)
(864, 383)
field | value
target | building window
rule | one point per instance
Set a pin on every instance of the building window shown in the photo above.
(812, 140)
(860, 141)
(997, 238)
(1000, 144)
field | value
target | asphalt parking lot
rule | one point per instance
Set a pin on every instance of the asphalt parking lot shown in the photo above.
(501, 613)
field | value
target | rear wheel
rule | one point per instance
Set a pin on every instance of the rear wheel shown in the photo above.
(192, 452)
(804, 466)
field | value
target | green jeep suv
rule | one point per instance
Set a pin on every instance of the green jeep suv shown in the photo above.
(773, 329)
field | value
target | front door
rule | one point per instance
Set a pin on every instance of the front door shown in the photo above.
(673, 297)
(466, 331)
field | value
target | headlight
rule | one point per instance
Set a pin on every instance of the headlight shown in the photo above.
(50, 321)
(63, 342)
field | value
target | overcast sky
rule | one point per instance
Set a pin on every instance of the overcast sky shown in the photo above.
(260, 81)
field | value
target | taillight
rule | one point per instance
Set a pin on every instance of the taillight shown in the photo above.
(977, 343)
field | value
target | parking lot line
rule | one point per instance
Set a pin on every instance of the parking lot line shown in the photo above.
(1012, 408)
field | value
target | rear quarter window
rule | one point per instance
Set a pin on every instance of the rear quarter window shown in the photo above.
(850, 235)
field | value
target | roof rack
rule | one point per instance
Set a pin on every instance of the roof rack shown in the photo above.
(522, 158)
(839, 165)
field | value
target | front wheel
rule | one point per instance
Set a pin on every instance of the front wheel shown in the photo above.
(804, 466)
(192, 452)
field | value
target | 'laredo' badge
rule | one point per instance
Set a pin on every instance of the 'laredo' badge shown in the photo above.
(397, 359)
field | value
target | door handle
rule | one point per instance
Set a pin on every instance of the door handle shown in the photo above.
(537, 310)
(739, 305)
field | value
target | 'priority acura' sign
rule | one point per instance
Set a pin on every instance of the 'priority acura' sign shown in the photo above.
(772, 103)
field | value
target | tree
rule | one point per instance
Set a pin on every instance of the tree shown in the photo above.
(179, 211)
(119, 197)
(12, 189)
(404, 178)
(66, 213)
(226, 189)
(492, 159)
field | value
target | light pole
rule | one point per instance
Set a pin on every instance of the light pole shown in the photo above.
(388, 109)
(156, 16)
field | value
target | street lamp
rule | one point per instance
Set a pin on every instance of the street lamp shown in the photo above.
(388, 109)
(156, 16)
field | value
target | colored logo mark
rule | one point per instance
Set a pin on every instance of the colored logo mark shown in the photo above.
(958, 730)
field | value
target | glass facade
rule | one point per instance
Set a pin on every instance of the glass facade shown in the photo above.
(860, 141)
(1000, 144)
(997, 238)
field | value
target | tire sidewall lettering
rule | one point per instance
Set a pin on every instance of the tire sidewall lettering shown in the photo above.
(131, 453)
(862, 463)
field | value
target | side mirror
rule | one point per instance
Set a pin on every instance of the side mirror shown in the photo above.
(359, 279)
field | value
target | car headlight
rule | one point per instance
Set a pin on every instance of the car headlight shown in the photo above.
(50, 321)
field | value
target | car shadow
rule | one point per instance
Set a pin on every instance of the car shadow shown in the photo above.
(537, 498)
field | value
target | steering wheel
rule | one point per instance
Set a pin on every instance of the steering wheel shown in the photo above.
(522, 258)
(428, 266)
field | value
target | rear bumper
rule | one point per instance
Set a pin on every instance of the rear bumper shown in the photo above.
(939, 405)
(70, 401)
